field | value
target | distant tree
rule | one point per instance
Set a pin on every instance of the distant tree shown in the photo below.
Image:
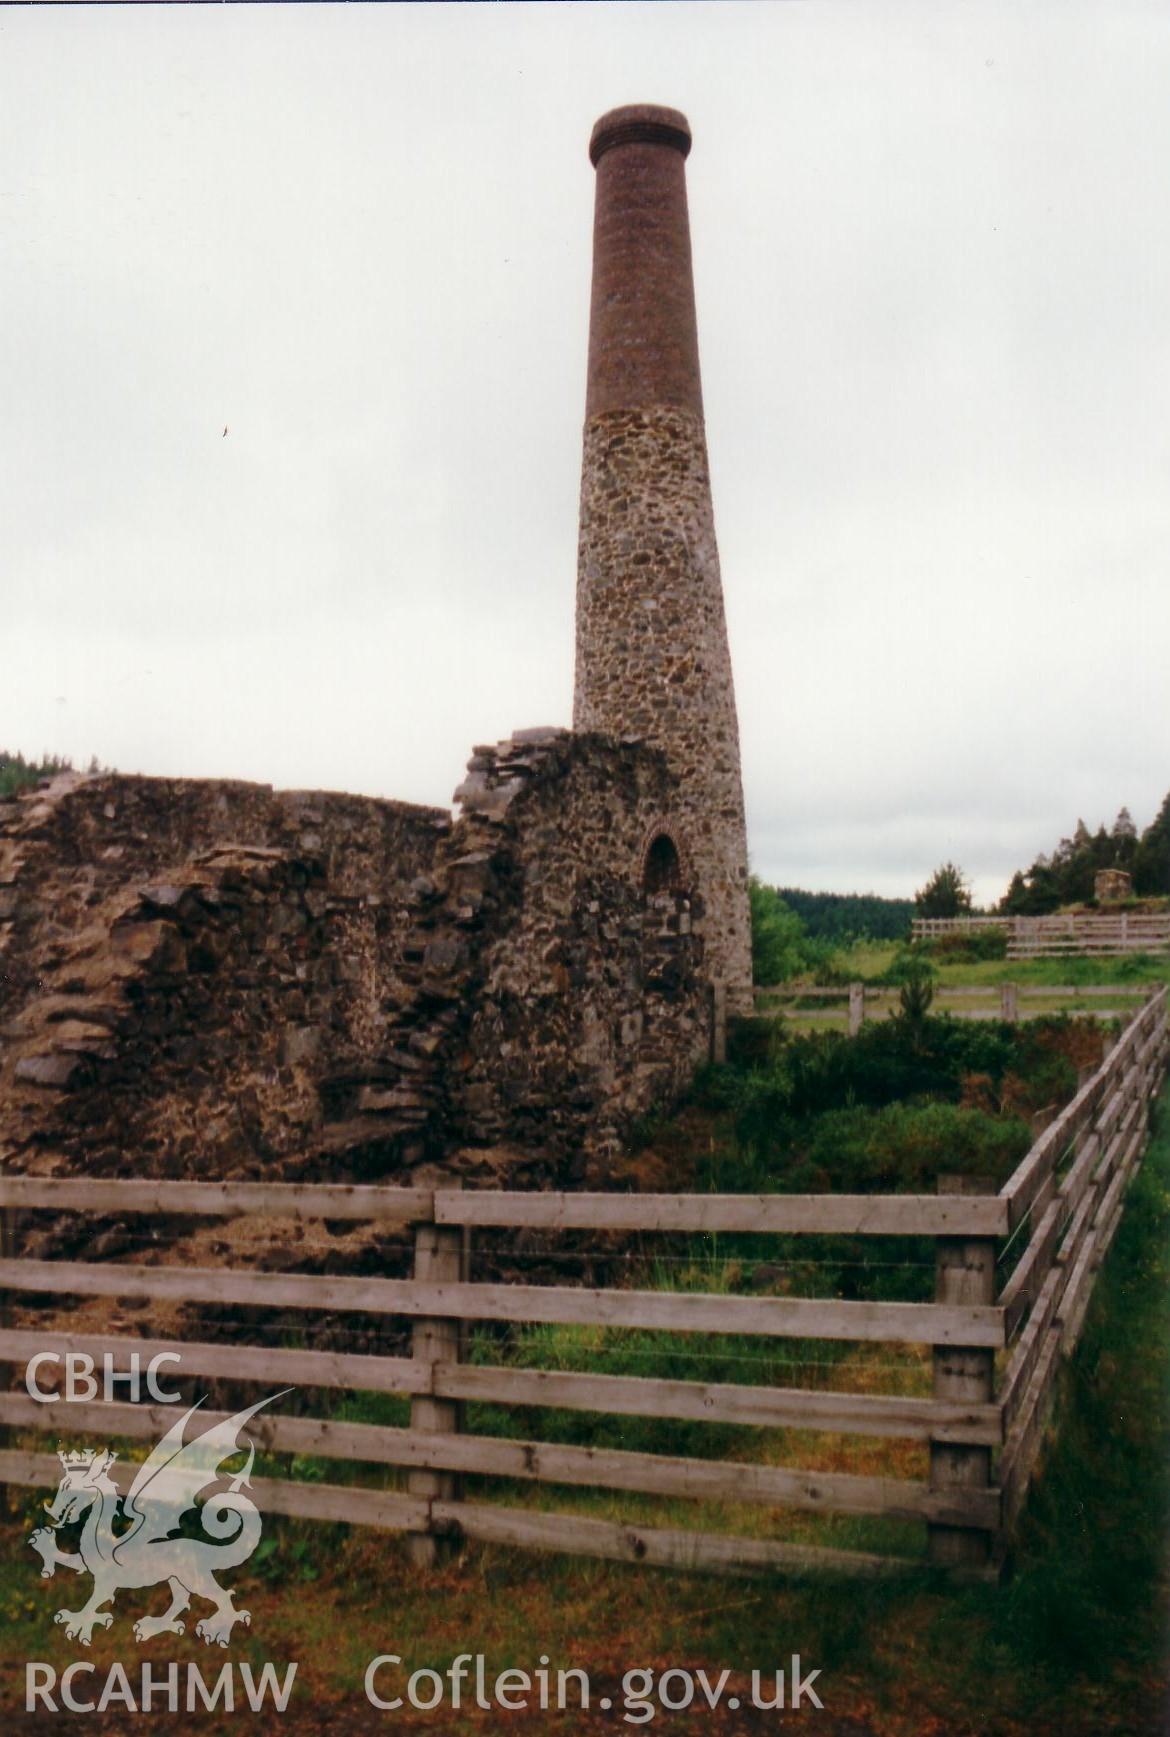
(1067, 876)
(1015, 900)
(1077, 876)
(17, 773)
(1151, 858)
(946, 893)
(1125, 839)
(843, 918)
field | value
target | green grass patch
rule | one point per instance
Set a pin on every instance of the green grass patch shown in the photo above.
(865, 961)
(877, 963)
(735, 1359)
(1133, 968)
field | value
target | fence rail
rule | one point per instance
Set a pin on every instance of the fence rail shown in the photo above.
(1008, 1001)
(1056, 1215)
(1060, 935)
(1070, 1190)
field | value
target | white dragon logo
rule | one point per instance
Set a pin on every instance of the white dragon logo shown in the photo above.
(148, 1549)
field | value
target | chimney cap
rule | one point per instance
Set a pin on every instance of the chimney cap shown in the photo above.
(639, 124)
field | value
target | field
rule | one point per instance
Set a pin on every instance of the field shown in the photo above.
(970, 989)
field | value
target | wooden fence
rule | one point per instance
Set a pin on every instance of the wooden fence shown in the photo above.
(1107, 935)
(995, 1351)
(860, 1001)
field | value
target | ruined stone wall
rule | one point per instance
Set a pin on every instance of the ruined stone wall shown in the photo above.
(590, 1004)
(197, 978)
(201, 979)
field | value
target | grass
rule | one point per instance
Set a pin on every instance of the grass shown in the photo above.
(870, 960)
(716, 1358)
(1135, 968)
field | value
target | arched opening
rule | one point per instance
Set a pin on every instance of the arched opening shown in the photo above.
(663, 869)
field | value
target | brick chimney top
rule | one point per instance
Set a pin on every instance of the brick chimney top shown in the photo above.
(643, 342)
(639, 124)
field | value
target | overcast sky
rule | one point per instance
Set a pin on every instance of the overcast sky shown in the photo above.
(932, 256)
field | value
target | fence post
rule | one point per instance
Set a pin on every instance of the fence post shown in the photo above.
(718, 1020)
(964, 1274)
(1009, 1002)
(438, 1259)
(856, 1007)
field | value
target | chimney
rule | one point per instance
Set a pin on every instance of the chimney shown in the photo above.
(652, 653)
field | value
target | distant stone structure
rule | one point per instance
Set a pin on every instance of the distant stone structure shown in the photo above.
(205, 978)
(1112, 886)
(652, 655)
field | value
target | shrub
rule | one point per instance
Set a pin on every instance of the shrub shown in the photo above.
(907, 1146)
(889, 1060)
(916, 994)
(1137, 965)
(906, 966)
(752, 1040)
(1059, 1046)
(781, 947)
(971, 948)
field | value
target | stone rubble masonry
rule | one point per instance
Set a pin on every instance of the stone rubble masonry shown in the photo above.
(652, 657)
(213, 979)
(589, 1004)
(197, 978)
(1112, 886)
